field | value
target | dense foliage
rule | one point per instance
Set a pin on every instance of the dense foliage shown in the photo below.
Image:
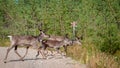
(98, 21)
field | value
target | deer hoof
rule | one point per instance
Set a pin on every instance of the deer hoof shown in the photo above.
(21, 60)
(36, 56)
(5, 61)
(44, 58)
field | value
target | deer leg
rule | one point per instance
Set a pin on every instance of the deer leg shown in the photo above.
(39, 51)
(37, 54)
(43, 51)
(65, 49)
(25, 53)
(46, 52)
(15, 50)
(43, 54)
(51, 53)
(8, 50)
(58, 51)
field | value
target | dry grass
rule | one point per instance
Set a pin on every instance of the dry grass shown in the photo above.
(88, 54)
(4, 43)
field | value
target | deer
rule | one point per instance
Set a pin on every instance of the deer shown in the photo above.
(56, 44)
(27, 41)
(52, 38)
(77, 39)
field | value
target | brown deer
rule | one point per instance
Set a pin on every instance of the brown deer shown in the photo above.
(27, 41)
(56, 44)
(61, 38)
(52, 38)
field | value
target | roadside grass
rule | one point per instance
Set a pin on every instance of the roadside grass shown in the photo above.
(88, 54)
(4, 43)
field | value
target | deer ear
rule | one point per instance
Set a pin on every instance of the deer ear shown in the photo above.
(46, 30)
(43, 31)
(66, 35)
(49, 36)
(40, 30)
(81, 37)
(77, 38)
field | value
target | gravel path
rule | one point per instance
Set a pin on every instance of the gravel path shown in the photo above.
(31, 62)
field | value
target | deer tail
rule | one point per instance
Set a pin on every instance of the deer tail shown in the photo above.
(10, 37)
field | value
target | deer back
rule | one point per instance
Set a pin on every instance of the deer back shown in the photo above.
(23, 40)
(56, 43)
(58, 38)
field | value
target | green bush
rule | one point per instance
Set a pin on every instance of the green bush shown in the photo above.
(109, 41)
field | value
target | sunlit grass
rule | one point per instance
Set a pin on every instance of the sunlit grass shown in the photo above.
(89, 55)
(4, 42)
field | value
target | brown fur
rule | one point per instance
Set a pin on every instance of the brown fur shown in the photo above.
(28, 41)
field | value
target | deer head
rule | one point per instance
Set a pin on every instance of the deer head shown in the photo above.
(77, 41)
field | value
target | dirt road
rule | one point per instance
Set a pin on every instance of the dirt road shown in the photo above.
(32, 62)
